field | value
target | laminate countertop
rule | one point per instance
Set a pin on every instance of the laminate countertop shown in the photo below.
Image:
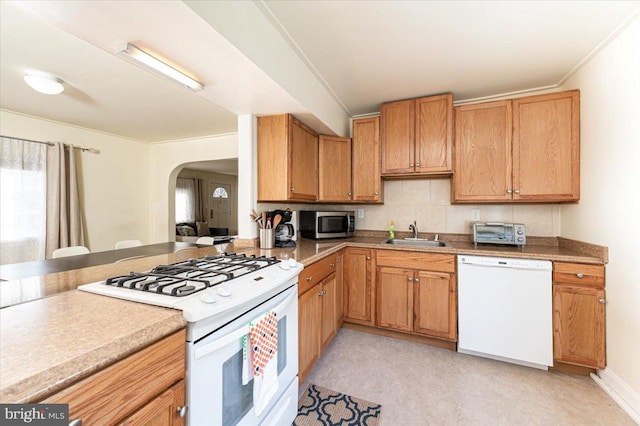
(52, 335)
(50, 343)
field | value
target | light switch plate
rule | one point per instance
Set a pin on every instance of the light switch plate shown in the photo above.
(360, 213)
(475, 215)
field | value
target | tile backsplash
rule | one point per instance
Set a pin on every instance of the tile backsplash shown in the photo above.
(428, 202)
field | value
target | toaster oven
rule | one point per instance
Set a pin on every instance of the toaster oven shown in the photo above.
(513, 234)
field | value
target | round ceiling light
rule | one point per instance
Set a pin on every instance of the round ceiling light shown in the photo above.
(43, 82)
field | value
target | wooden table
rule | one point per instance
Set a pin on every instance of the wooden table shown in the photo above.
(16, 271)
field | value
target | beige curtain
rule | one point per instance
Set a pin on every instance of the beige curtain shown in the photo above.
(64, 215)
(200, 204)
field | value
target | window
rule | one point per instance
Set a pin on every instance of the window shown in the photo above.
(220, 192)
(23, 186)
(185, 200)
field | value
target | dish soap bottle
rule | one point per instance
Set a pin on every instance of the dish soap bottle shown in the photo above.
(392, 231)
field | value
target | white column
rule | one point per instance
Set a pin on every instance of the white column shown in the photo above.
(247, 175)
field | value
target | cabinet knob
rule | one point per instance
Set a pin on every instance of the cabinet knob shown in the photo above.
(411, 165)
(417, 164)
(349, 194)
(293, 188)
(409, 279)
(602, 301)
(75, 422)
(309, 278)
(580, 275)
(368, 258)
(417, 280)
(333, 265)
(509, 191)
(517, 191)
(182, 411)
(375, 193)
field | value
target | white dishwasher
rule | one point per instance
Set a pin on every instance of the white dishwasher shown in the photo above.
(505, 309)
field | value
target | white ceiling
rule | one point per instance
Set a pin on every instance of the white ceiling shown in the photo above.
(363, 52)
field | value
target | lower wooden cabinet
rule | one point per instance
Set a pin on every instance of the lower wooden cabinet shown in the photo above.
(357, 284)
(164, 410)
(579, 314)
(318, 311)
(417, 301)
(133, 391)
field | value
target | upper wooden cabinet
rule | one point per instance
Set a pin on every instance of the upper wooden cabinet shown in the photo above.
(287, 160)
(416, 136)
(483, 152)
(366, 181)
(546, 147)
(522, 150)
(334, 174)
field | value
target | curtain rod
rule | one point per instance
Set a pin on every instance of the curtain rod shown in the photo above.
(50, 143)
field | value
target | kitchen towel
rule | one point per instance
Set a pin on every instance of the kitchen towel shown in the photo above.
(260, 359)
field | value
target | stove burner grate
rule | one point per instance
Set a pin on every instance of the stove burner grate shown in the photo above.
(185, 278)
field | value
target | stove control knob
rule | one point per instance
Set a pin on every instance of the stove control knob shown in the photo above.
(209, 297)
(224, 291)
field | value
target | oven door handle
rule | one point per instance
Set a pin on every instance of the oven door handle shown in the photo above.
(243, 331)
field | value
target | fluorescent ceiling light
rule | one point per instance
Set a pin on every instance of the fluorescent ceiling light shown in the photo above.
(131, 51)
(43, 82)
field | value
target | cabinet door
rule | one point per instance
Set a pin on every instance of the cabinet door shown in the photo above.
(303, 162)
(546, 147)
(578, 325)
(394, 298)
(397, 137)
(164, 410)
(308, 330)
(334, 172)
(435, 304)
(434, 134)
(339, 289)
(366, 181)
(357, 284)
(482, 170)
(273, 178)
(328, 301)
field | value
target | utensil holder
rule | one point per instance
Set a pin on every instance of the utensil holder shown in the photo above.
(267, 238)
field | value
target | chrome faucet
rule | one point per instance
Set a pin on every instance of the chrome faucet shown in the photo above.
(436, 238)
(414, 229)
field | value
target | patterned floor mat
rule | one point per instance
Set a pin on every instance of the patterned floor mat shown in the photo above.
(321, 406)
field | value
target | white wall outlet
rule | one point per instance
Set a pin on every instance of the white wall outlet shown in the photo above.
(360, 213)
(475, 215)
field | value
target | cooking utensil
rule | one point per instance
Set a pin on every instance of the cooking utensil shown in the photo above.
(276, 220)
(264, 219)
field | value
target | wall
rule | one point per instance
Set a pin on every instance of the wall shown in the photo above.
(609, 210)
(113, 184)
(428, 202)
(209, 178)
(167, 160)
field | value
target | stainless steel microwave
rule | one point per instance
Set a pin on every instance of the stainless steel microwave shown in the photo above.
(322, 224)
(499, 233)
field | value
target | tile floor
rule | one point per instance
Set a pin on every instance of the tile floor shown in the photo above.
(423, 385)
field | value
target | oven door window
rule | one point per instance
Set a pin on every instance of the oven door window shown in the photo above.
(237, 399)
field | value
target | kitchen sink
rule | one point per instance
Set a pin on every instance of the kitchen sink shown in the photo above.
(419, 242)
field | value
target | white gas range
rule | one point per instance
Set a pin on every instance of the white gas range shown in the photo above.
(219, 296)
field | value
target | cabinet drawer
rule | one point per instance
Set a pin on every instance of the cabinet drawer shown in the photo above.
(316, 272)
(577, 273)
(436, 262)
(117, 391)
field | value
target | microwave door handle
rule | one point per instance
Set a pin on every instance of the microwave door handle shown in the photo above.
(243, 331)
(348, 223)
